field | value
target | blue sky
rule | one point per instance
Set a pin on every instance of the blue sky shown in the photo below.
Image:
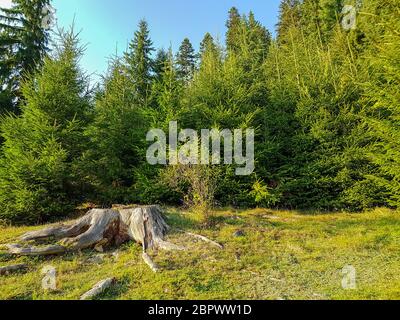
(107, 25)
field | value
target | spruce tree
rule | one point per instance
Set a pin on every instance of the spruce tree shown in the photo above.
(319, 17)
(380, 68)
(39, 175)
(233, 25)
(258, 39)
(247, 37)
(207, 44)
(289, 16)
(316, 86)
(186, 60)
(330, 13)
(159, 63)
(117, 136)
(140, 63)
(167, 93)
(23, 46)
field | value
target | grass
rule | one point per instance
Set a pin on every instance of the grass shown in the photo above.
(282, 255)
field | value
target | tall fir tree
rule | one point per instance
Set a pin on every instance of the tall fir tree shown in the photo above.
(289, 16)
(117, 136)
(186, 60)
(207, 44)
(314, 79)
(258, 38)
(380, 79)
(233, 25)
(247, 37)
(167, 94)
(159, 63)
(320, 17)
(139, 62)
(23, 46)
(39, 166)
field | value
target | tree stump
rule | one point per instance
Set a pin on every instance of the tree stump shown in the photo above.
(104, 227)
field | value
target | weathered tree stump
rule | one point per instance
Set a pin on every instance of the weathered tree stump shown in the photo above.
(103, 227)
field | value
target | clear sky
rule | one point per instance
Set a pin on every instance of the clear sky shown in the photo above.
(107, 25)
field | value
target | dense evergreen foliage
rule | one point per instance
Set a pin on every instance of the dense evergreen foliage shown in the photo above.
(324, 102)
(186, 60)
(23, 45)
(40, 164)
(139, 64)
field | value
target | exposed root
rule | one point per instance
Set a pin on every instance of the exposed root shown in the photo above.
(98, 289)
(103, 227)
(168, 246)
(35, 251)
(87, 232)
(12, 268)
(149, 262)
(203, 238)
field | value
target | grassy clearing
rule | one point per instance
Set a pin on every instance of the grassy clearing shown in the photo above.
(283, 255)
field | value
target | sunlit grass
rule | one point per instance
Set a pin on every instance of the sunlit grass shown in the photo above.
(282, 255)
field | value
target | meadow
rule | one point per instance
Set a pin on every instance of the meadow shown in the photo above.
(267, 255)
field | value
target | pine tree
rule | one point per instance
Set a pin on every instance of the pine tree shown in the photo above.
(159, 63)
(315, 86)
(247, 37)
(233, 25)
(39, 166)
(207, 44)
(139, 62)
(23, 45)
(320, 17)
(258, 39)
(380, 70)
(117, 136)
(289, 16)
(186, 61)
(168, 93)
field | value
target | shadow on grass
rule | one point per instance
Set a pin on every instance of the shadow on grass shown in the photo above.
(219, 219)
(5, 257)
(27, 296)
(181, 221)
